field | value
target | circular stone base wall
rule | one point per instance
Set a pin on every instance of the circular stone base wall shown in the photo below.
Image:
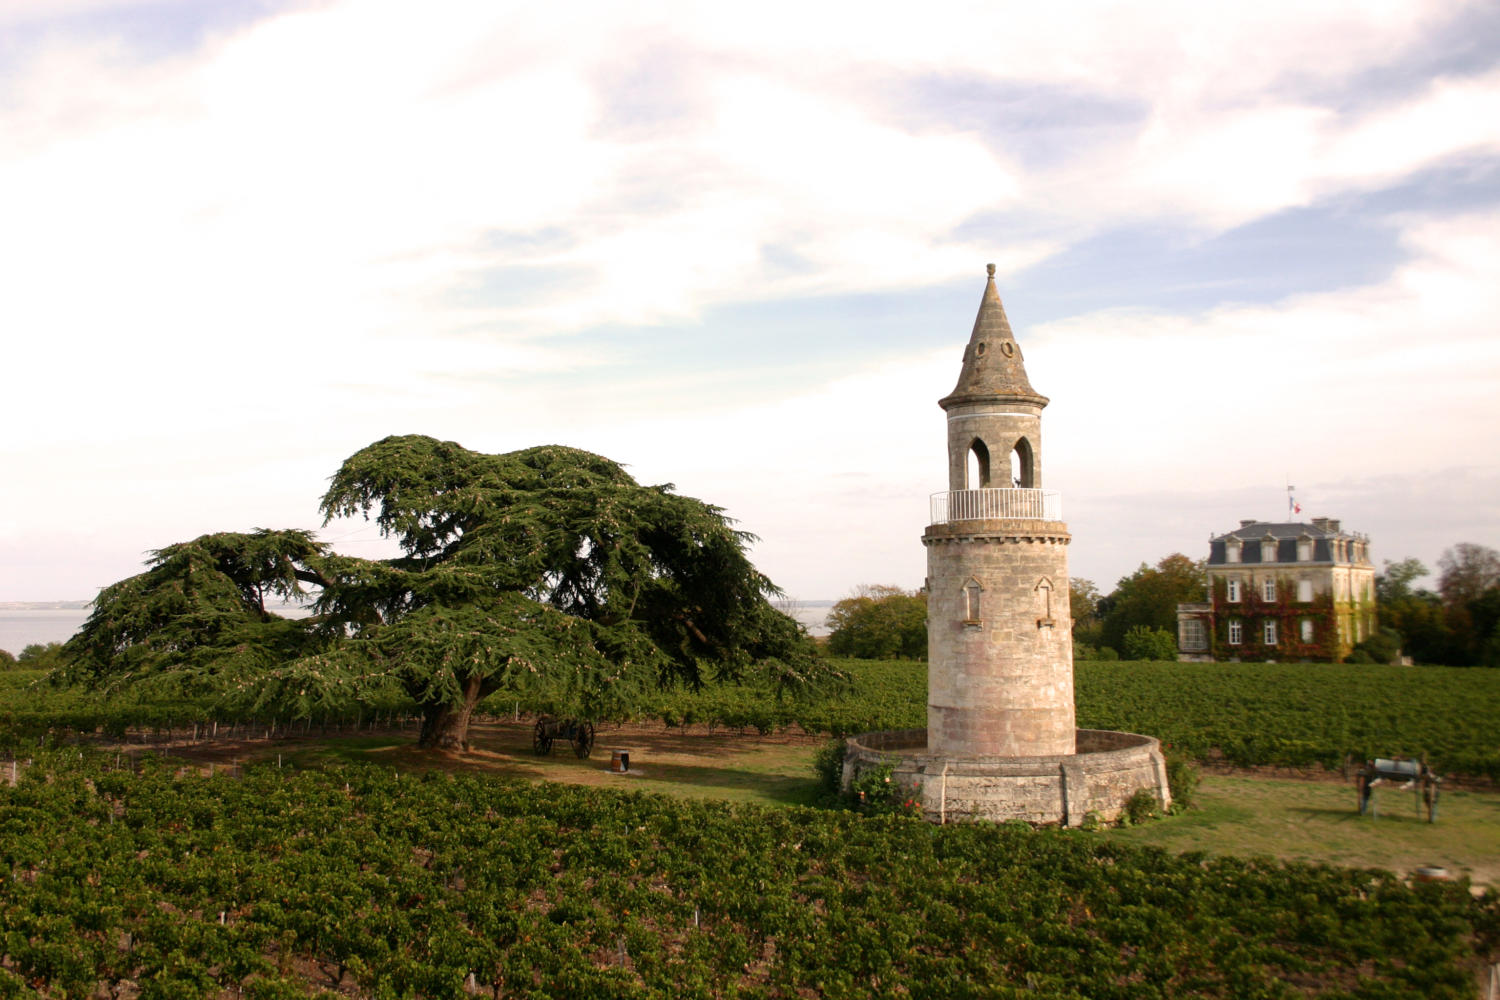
(1100, 778)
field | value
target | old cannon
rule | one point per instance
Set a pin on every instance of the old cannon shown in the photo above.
(1405, 774)
(579, 732)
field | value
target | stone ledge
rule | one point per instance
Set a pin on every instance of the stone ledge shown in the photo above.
(1059, 789)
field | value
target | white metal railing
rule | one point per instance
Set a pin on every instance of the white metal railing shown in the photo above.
(973, 505)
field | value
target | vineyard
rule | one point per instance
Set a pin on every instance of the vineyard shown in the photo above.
(1247, 714)
(373, 883)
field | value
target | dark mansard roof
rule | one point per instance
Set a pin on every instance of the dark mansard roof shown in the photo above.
(1320, 531)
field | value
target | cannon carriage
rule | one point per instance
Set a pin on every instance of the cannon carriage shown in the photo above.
(578, 732)
(1404, 774)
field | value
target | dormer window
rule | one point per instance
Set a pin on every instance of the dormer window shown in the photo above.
(1268, 549)
(1232, 550)
(1304, 549)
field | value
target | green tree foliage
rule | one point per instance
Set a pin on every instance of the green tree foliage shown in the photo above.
(547, 572)
(1468, 570)
(1395, 582)
(1149, 597)
(40, 656)
(1460, 624)
(7, 660)
(879, 623)
(1144, 643)
(196, 620)
(1083, 604)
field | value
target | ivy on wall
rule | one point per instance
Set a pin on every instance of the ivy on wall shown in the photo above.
(1252, 610)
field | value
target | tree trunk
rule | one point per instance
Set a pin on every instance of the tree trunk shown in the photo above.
(446, 726)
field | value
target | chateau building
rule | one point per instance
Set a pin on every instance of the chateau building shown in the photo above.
(1282, 591)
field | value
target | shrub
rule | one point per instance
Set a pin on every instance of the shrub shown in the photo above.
(877, 793)
(1182, 781)
(1145, 643)
(1382, 647)
(1141, 806)
(828, 764)
(41, 657)
(1106, 653)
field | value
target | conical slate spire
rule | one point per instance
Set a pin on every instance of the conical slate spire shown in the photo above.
(993, 370)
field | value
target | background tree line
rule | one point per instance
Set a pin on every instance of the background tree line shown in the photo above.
(1456, 625)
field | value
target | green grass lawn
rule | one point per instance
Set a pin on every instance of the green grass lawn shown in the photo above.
(1319, 821)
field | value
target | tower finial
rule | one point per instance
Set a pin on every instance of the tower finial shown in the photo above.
(990, 269)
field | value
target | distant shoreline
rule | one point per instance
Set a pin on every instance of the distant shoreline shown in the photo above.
(44, 605)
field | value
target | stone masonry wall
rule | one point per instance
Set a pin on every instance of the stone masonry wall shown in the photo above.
(1045, 790)
(1001, 683)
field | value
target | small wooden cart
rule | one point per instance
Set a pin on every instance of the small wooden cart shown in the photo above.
(579, 732)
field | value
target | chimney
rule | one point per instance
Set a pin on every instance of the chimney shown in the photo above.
(1245, 522)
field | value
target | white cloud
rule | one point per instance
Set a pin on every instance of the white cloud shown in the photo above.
(229, 266)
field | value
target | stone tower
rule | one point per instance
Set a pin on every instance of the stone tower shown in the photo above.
(1000, 649)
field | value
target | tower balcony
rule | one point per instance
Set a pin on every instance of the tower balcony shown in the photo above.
(976, 505)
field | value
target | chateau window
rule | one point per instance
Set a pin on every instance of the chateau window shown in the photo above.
(1268, 589)
(1232, 590)
(1307, 630)
(1270, 633)
(1236, 632)
(1304, 550)
(1191, 635)
(1232, 551)
(1268, 551)
(1304, 591)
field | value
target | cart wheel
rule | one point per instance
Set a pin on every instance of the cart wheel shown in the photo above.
(541, 743)
(583, 739)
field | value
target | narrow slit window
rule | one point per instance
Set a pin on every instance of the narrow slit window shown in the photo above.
(971, 601)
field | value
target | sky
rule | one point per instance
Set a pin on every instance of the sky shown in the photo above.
(739, 248)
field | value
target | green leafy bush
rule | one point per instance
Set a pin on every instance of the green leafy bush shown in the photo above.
(1141, 807)
(828, 764)
(1182, 781)
(876, 792)
(1145, 643)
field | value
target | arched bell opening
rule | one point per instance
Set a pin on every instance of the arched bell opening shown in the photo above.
(978, 466)
(1023, 466)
